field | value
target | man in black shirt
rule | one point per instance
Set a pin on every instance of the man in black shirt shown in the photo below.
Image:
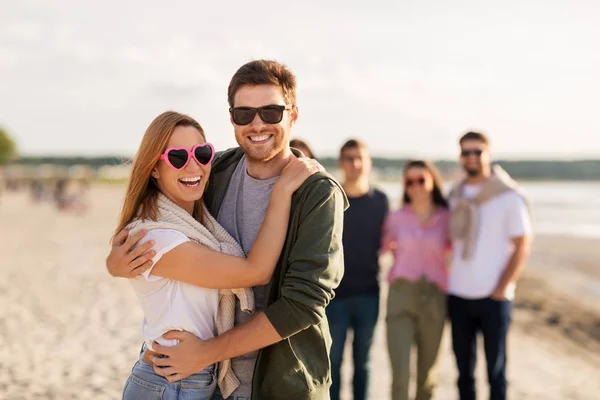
(356, 302)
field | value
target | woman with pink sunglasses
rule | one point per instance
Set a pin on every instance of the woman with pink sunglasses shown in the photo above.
(196, 264)
(417, 234)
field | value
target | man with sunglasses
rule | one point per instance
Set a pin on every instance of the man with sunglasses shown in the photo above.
(491, 229)
(282, 350)
(356, 305)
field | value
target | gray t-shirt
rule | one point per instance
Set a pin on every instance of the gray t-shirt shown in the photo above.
(242, 214)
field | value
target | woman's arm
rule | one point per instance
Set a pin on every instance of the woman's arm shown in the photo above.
(448, 250)
(201, 266)
(388, 237)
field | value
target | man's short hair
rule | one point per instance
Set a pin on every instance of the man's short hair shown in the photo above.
(352, 144)
(264, 72)
(474, 136)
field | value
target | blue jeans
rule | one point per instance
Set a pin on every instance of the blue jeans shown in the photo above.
(144, 383)
(492, 318)
(358, 313)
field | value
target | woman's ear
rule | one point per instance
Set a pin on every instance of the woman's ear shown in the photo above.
(155, 174)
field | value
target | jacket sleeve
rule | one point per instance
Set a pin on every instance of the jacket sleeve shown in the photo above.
(316, 261)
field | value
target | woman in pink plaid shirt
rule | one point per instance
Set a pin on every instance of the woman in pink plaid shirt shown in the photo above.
(417, 234)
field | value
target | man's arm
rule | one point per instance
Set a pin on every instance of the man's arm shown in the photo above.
(125, 261)
(518, 226)
(514, 268)
(316, 262)
(387, 236)
(193, 354)
(316, 267)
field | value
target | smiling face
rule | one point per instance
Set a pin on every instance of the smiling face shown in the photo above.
(263, 142)
(356, 163)
(185, 186)
(418, 184)
(475, 158)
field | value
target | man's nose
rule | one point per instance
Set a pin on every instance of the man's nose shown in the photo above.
(192, 165)
(257, 122)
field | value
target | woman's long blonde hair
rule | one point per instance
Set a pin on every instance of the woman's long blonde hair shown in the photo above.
(142, 192)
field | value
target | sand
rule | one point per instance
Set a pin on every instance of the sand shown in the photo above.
(70, 331)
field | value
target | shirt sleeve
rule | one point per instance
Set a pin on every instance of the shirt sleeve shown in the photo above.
(518, 218)
(165, 240)
(386, 203)
(446, 231)
(389, 237)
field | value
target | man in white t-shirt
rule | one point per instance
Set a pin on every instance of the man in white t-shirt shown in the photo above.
(489, 253)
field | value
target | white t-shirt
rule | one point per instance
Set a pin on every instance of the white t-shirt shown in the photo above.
(169, 304)
(500, 220)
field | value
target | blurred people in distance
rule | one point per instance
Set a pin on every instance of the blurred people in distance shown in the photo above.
(417, 235)
(356, 303)
(490, 226)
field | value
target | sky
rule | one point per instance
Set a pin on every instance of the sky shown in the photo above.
(408, 77)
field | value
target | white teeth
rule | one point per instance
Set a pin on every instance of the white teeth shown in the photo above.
(191, 179)
(259, 138)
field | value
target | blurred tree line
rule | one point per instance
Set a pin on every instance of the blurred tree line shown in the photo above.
(8, 148)
(93, 162)
(389, 167)
(522, 169)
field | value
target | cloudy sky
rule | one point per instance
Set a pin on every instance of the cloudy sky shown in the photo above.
(407, 76)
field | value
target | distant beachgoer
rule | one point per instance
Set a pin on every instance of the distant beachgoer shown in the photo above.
(302, 146)
(60, 193)
(82, 196)
(356, 304)
(179, 292)
(417, 234)
(76, 199)
(491, 229)
(37, 190)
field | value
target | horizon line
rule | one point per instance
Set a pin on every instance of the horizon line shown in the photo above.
(335, 157)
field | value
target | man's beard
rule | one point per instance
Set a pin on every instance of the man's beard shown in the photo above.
(263, 156)
(472, 172)
(266, 154)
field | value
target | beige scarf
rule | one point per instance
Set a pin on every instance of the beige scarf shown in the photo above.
(464, 220)
(171, 216)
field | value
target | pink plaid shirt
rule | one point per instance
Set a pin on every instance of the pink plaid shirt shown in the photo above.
(419, 250)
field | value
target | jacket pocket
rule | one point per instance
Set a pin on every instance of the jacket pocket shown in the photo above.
(290, 378)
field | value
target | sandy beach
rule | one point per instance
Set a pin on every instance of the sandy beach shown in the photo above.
(70, 331)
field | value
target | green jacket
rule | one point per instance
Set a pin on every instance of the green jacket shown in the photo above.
(310, 267)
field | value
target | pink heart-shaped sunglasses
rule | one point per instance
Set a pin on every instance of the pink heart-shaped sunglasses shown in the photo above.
(179, 157)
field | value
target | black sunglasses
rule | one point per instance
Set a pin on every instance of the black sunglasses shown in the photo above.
(420, 181)
(271, 114)
(475, 152)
